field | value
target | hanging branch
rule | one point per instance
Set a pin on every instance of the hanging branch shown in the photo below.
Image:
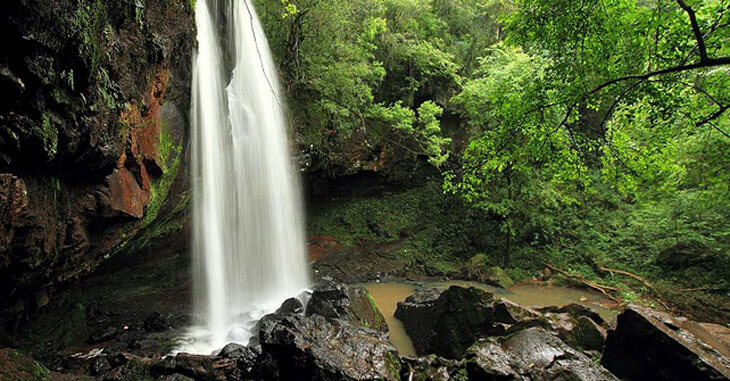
(704, 62)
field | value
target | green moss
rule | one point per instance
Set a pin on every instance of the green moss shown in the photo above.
(393, 363)
(49, 134)
(446, 268)
(15, 365)
(478, 261)
(500, 276)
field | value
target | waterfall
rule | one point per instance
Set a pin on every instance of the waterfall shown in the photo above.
(248, 231)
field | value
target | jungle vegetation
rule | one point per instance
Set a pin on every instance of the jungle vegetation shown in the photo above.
(591, 133)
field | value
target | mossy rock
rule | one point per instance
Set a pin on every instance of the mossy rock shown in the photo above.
(478, 268)
(364, 311)
(16, 366)
(479, 261)
(498, 277)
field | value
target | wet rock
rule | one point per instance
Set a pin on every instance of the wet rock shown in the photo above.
(334, 300)
(291, 306)
(15, 365)
(488, 361)
(540, 355)
(447, 324)
(99, 366)
(510, 313)
(314, 348)
(643, 347)
(579, 330)
(364, 311)
(103, 335)
(175, 377)
(233, 350)
(588, 334)
(575, 310)
(431, 368)
(157, 322)
(330, 300)
(143, 344)
(198, 367)
(497, 277)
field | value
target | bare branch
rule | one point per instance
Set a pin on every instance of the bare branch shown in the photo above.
(695, 29)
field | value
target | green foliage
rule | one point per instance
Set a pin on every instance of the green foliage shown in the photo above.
(370, 66)
(550, 160)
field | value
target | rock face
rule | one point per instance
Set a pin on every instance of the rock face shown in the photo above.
(647, 344)
(91, 135)
(446, 323)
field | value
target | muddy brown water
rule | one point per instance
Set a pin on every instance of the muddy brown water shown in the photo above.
(388, 294)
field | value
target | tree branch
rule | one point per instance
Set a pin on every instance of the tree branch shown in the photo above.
(695, 29)
(709, 62)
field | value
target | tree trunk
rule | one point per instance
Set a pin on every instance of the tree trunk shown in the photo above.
(507, 248)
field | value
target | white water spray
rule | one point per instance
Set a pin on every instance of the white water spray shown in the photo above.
(248, 230)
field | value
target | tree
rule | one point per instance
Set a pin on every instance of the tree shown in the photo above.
(508, 169)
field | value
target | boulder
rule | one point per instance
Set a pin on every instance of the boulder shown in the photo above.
(488, 361)
(575, 310)
(157, 322)
(431, 368)
(579, 331)
(510, 313)
(531, 354)
(448, 323)
(497, 277)
(315, 348)
(540, 355)
(333, 300)
(648, 344)
(291, 306)
(588, 335)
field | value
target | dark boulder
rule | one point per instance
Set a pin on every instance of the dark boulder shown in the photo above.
(510, 313)
(648, 344)
(432, 368)
(103, 335)
(575, 310)
(449, 323)
(314, 348)
(333, 300)
(198, 367)
(588, 335)
(541, 356)
(157, 322)
(488, 361)
(531, 354)
(291, 306)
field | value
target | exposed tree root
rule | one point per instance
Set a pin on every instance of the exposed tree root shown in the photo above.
(628, 274)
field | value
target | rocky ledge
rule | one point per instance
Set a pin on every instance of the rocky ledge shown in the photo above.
(459, 333)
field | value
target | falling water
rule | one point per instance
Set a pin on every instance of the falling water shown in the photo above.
(248, 238)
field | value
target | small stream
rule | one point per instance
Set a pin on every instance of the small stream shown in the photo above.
(388, 294)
